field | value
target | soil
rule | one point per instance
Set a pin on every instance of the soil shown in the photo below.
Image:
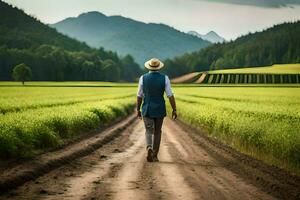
(192, 166)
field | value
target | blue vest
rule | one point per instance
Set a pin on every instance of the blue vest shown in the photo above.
(153, 89)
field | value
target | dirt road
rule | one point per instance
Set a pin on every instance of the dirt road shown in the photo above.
(191, 166)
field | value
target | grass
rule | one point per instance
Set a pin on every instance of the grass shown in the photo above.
(276, 74)
(34, 119)
(26, 98)
(65, 84)
(263, 122)
(249, 85)
(260, 120)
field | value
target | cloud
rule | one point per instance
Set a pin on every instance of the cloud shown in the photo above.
(261, 3)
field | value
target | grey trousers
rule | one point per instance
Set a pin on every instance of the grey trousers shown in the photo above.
(153, 133)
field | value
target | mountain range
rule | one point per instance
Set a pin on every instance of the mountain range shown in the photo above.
(128, 36)
(211, 36)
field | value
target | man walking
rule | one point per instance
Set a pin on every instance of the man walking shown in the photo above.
(151, 90)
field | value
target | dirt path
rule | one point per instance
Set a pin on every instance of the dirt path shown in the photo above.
(191, 167)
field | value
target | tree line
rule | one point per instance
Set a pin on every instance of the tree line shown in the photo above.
(277, 45)
(56, 64)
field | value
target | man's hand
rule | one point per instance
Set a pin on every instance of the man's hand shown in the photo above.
(138, 114)
(174, 115)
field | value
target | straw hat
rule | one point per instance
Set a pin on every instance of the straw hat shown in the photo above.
(154, 64)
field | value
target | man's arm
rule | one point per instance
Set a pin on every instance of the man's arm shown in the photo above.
(171, 97)
(173, 105)
(139, 101)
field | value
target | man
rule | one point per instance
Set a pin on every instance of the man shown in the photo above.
(151, 90)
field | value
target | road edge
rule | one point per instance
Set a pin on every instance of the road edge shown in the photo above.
(14, 180)
(270, 178)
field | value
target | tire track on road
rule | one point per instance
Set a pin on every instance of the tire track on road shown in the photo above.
(208, 176)
(82, 185)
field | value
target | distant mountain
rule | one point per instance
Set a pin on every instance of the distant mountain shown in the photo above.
(127, 36)
(211, 36)
(279, 44)
(54, 56)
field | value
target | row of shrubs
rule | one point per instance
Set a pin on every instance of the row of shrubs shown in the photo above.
(22, 133)
(251, 127)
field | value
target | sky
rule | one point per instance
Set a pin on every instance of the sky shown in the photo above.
(229, 18)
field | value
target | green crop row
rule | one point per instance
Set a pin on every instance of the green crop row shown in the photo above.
(22, 133)
(263, 122)
(18, 99)
(252, 78)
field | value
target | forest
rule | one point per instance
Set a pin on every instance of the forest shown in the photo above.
(276, 45)
(53, 56)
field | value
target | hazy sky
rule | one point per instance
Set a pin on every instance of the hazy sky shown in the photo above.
(229, 18)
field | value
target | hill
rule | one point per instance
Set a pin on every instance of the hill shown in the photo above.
(22, 31)
(276, 45)
(52, 55)
(211, 36)
(127, 36)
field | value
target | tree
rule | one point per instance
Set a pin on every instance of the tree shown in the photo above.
(129, 69)
(111, 70)
(22, 73)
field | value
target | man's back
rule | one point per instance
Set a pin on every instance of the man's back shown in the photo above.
(153, 89)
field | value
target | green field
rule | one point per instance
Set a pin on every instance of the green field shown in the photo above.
(276, 74)
(274, 69)
(66, 84)
(261, 121)
(37, 118)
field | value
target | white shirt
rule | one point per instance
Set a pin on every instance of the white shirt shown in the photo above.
(168, 89)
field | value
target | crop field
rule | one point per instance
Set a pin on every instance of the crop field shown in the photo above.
(35, 118)
(275, 74)
(274, 69)
(263, 122)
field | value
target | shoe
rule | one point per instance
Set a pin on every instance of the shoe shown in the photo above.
(150, 154)
(155, 158)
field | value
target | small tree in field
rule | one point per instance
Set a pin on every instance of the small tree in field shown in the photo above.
(22, 73)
